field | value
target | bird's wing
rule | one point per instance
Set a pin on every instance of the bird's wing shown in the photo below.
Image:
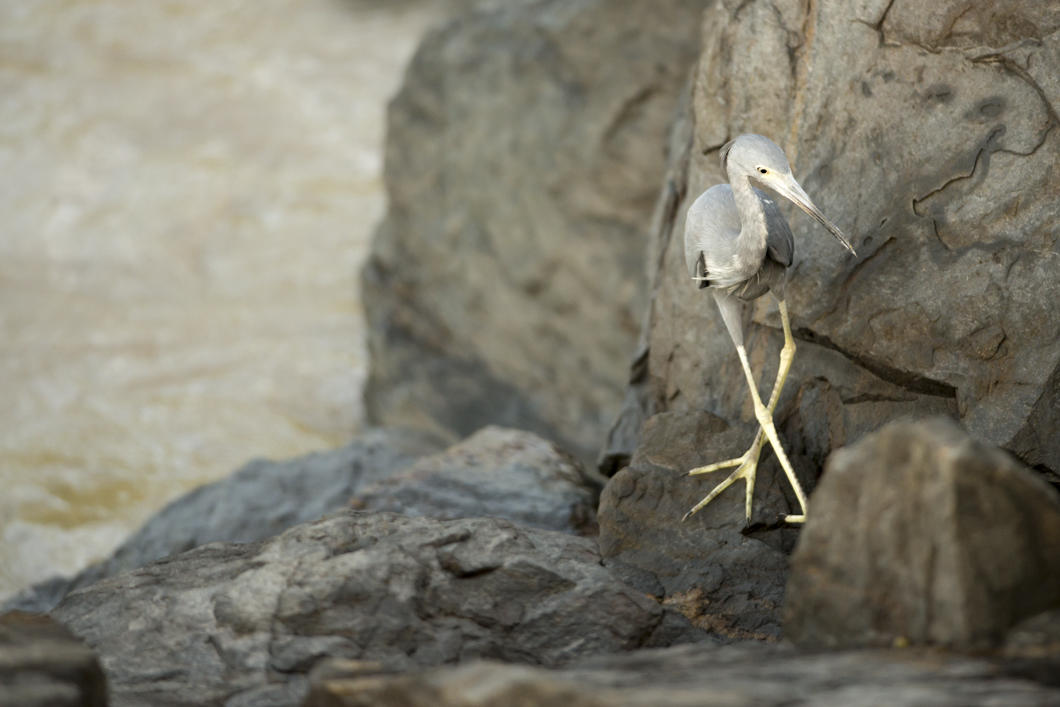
(701, 271)
(780, 243)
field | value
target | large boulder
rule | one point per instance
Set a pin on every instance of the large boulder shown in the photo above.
(928, 133)
(918, 534)
(693, 676)
(242, 624)
(260, 500)
(523, 156)
(495, 472)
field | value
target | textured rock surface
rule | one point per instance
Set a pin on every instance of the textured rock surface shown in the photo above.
(524, 153)
(723, 580)
(241, 624)
(42, 665)
(1032, 648)
(496, 472)
(256, 502)
(918, 533)
(930, 136)
(694, 676)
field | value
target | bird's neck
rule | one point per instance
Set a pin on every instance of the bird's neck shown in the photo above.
(752, 217)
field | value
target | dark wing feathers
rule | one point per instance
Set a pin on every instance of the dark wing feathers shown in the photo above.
(780, 243)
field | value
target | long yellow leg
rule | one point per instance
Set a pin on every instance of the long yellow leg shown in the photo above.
(747, 464)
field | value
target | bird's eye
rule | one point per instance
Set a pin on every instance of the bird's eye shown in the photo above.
(763, 170)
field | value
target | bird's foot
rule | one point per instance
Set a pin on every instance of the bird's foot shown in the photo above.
(746, 468)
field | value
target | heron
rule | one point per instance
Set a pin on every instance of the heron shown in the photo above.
(739, 246)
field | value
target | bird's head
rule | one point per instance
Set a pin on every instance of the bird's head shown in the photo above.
(759, 159)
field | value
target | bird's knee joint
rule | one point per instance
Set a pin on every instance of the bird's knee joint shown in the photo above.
(762, 413)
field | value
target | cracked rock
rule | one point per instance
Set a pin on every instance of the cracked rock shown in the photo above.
(930, 136)
(918, 534)
(243, 624)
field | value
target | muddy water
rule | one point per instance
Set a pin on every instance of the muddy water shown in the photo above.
(186, 192)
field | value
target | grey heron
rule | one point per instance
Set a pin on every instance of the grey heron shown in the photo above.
(739, 246)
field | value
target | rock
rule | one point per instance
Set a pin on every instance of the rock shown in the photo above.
(920, 534)
(523, 154)
(42, 665)
(496, 472)
(947, 308)
(242, 624)
(1036, 637)
(256, 502)
(1032, 648)
(723, 580)
(687, 676)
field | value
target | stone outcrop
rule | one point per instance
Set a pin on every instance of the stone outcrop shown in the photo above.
(523, 156)
(242, 624)
(931, 137)
(918, 534)
(693, 676)
(260, 500)
(496, 472)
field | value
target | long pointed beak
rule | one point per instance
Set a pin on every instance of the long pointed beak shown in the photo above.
(791, 191)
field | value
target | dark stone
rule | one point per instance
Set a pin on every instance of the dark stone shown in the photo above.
(243, 624)
(43, 665)
(919, 534)
(523, 155)
(496, 472)
(724, 577)
(1032, 648)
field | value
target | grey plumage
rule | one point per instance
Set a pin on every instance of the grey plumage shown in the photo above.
(739, 246)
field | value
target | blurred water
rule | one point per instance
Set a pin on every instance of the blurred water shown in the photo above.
(186, 192)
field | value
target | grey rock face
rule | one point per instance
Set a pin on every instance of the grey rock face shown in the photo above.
(1032, 648)
(919, 534)
(724, 581)
(42, 665)
(241, 624)
(930, 137)
(523, 156)
(693, 676)
(256, 502)
(496, 472)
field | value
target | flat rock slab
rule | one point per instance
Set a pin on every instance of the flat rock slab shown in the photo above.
(242, 624)
(694, 676)
(723, 579)
(43, 665)
(920, 534)
(261, 499)
(496, 472)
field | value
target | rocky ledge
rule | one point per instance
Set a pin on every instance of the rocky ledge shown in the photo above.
(501, 289)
